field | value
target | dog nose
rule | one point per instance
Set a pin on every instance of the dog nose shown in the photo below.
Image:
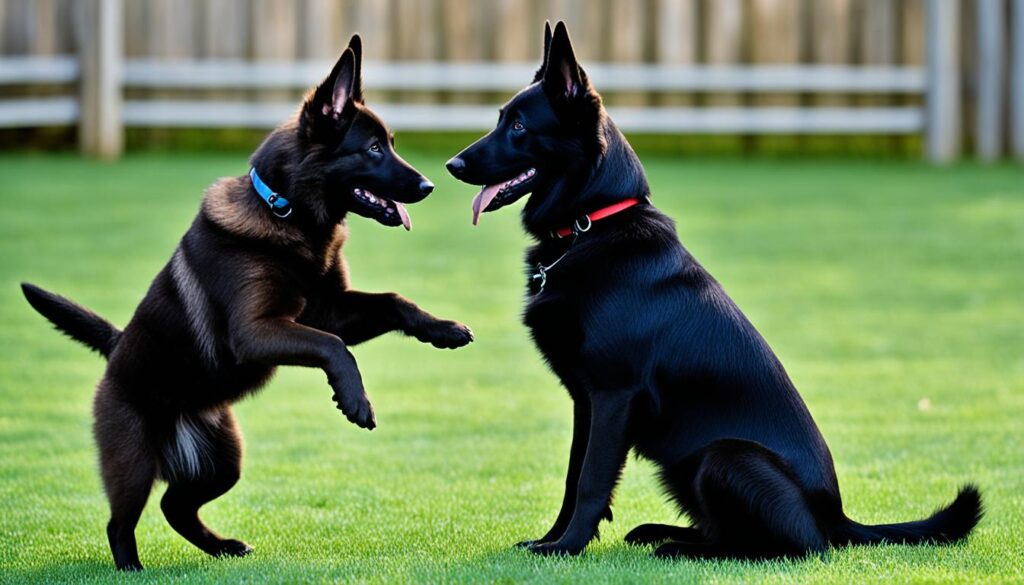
(426, 187)
(456, 166)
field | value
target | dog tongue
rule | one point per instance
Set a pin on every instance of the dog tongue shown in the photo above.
(483, 199)
(406, 220)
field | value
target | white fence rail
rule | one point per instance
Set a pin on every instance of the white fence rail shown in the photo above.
(505, 77)
(97, 82)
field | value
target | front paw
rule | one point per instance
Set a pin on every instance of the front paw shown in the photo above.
(444, 334)
(558, 548)
(232, 548)
(353, 403)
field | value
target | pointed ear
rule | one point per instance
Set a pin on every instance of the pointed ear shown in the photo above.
(562, 74)
(324, 107)
(547, 47)
(343, 88)
(356, 45)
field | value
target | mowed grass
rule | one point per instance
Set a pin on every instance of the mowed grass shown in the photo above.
(891, 291)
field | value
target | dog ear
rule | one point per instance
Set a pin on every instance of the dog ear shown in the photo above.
(356, 45)
(347, 85)
(324, 111)
(563, 76)
(547, 47)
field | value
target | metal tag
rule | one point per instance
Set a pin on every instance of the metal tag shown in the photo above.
(538, 279)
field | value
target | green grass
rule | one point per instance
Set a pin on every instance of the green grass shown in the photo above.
(891, 291)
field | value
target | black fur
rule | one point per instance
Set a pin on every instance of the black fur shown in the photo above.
(74, 320)
(247, 291)
(656, 356)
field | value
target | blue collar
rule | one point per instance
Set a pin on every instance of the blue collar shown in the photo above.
(279, 206)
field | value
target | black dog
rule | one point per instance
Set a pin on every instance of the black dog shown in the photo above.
(653, 352)
(258, 281)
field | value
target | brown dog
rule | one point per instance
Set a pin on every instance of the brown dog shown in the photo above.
(258, 281)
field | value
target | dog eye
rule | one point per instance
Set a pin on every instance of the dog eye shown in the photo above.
(518, 126)
(375, 147)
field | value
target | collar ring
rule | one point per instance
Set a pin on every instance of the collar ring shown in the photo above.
(578, 226)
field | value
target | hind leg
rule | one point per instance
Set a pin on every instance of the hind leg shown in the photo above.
(749, 506)
(209, 470)
(128, 468)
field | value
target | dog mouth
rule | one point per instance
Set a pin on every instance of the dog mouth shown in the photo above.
(383, 210)
(496, 196)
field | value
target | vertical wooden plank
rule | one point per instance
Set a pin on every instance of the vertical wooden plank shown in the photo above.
(44, 41)
(226, 30)
(100, 131)
(943, 107)
(19, 27)
(414, 37)
(169, 32)
(585, 19)
(878, 34)
(912, 32)
(675, 27)
(627, 42)
(989, 101)
(170, 27)
(321, 36)
(1017, 79)
(274, 31)
(775, 37)
(67, 35)
(136, 20)
(462, 21)
(373, 21)
(776, 31)
(967, 60)
(676, 30)
(830, 44)
(723, 42)
(275, 27)
(512, 42)
(877, 42)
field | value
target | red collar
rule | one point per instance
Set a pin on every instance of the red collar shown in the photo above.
(583, 224)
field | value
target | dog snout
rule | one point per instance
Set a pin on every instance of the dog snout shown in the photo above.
(456, 166)
(426, 187)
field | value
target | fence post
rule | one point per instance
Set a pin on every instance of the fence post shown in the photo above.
(1017, 76)
(989, 104)
(943, 97)
(101, 133)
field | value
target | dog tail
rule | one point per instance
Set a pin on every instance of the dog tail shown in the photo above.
(74, 320)
(946, 525)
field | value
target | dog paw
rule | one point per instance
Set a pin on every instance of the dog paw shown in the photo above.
(356, 408)
(129, 566)
(557, 548)
(646, 534)
(445, 334)
(232, 548)
(672, 550)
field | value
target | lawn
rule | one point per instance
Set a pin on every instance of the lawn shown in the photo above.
(891, 291)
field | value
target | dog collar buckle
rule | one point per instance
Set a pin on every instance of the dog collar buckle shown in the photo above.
(279, 206)
(583, 224)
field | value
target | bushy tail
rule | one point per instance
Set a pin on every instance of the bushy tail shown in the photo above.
(949, 524)
(76, 321)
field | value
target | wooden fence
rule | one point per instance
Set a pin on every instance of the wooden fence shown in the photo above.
(951, 70)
